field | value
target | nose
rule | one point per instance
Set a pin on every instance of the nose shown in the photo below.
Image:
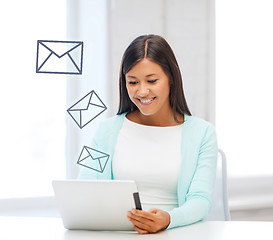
(143, 91)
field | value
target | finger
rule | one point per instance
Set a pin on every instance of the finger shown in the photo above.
(143, 214)
(141, 231)
(141, 225)
(140, 217)
(140, 222)
(153, 210)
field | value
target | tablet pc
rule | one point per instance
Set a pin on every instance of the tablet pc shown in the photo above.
(96, 204)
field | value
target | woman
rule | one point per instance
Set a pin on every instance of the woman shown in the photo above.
(155, 141)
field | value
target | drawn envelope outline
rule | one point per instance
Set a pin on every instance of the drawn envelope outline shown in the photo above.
(77, 65)
(93, 159)
(86, 109)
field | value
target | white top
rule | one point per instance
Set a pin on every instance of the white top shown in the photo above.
(151, 156)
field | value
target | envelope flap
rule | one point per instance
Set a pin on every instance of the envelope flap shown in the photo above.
(60, 48)
(95, 100)
(95, 154)
(82, 104)
(84, 154)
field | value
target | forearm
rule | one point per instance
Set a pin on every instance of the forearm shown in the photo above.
(193, 210)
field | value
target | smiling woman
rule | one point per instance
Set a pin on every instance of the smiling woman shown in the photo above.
(155, 141)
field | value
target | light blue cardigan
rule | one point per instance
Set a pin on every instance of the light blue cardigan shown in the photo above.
(197, 170)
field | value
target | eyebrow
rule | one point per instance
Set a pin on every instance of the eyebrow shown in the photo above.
(149, 75)
(131, 76)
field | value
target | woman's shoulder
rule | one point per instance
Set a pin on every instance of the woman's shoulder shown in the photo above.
(114, 119)
(111, 123)
(197, 130)
(197, 125)
(193, 120)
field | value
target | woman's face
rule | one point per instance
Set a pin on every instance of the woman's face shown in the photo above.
(148, 88)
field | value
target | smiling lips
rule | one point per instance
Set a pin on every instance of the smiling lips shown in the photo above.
(146, 101)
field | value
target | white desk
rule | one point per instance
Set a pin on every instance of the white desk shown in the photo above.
(52, 229)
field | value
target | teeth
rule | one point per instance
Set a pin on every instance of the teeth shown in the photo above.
(146, 100)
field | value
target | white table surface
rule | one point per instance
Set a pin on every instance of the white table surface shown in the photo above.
(28, 228)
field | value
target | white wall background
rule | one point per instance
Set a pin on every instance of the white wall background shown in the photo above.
(244, 98)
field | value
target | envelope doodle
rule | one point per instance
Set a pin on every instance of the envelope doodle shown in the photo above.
(61, 57)
(86, 109)
(93, 159)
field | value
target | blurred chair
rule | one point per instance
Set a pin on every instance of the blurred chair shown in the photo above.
(219, 210)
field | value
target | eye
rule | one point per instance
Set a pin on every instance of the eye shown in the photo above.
(152, 81)
(132, 82)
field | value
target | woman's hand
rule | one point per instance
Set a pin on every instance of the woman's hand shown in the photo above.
(152, 221)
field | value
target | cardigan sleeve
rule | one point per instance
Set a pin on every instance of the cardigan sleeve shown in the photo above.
(198, 198)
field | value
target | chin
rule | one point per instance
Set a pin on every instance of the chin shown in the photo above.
(146, 113)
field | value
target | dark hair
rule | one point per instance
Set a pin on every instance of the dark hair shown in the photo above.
(156, 49)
